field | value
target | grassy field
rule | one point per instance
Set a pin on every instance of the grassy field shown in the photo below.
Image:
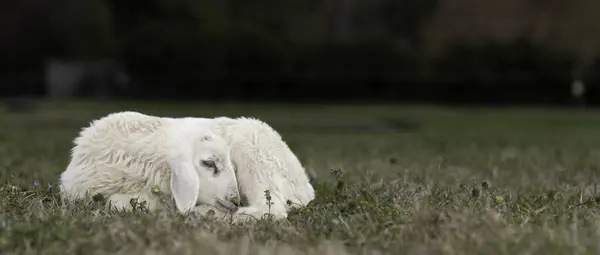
(413, 180)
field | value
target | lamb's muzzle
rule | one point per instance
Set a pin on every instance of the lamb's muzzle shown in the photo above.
(225, 205)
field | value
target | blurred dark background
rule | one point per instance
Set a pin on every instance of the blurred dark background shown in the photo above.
(495, 52)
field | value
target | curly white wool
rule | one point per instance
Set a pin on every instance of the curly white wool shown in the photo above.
(123, 155)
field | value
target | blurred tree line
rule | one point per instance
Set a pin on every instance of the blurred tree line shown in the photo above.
(497, 51)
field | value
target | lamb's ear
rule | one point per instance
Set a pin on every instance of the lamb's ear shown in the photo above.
(185, 185)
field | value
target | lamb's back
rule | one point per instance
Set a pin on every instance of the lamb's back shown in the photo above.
(123, 149)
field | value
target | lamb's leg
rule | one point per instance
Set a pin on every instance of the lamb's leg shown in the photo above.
(277, 211)
(243, 214)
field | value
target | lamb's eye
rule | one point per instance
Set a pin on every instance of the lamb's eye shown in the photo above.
(208, 163)
(211, 164)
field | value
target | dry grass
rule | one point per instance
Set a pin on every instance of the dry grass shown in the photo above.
(464, 182)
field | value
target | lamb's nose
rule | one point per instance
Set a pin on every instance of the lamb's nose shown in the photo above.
(225, 205)
(235, 198)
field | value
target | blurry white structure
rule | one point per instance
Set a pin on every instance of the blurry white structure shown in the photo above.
(62, 78)
(577, 88)
(66, 79)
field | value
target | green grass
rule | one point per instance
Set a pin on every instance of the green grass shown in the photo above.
(465, 181)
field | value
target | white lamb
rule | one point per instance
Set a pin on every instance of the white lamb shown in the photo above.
(263, 161)
(124, 155)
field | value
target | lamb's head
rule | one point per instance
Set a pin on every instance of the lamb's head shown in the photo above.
(206, 177)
